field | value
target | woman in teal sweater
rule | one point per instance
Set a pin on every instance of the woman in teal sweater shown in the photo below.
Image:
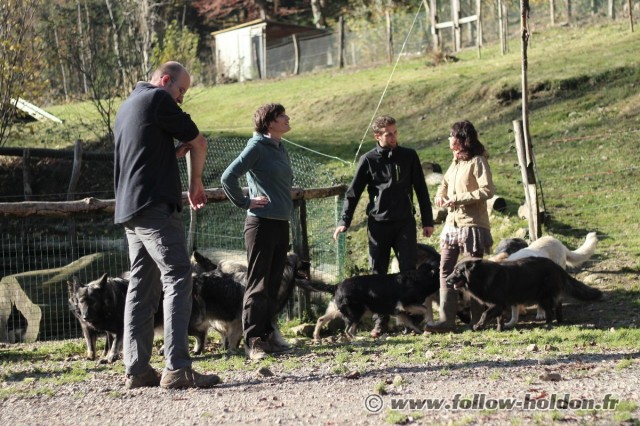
(267, 167)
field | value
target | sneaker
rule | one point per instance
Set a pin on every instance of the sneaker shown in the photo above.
(256, 349)
(187, 378)
(149, 378)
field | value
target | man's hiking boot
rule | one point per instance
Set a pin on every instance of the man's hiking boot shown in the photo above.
(149, 378)
(183, 378)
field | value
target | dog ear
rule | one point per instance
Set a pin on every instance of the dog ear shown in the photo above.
(102, 281)
(473, 264)
(203, 262)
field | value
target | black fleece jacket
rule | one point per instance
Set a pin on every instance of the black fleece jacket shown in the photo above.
(390, 177)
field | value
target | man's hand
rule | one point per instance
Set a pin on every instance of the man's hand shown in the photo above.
(197, 196)
(339, 230)
(427, 231)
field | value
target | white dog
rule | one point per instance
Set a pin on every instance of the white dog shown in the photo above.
(553, 249)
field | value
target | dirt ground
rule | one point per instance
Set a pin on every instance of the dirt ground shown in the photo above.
(495, 392)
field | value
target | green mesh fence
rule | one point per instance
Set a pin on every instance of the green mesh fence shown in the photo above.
(40, 254)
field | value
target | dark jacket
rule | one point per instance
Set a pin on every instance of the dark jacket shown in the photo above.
(390, 177)
(146, 169)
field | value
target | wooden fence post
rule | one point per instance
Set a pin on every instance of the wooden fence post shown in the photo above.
(389, 37)
(341, 42)
(341, 250)
(193, 215)
(435, 32)
(296, 55)
(75, 171)
(455, 11)
(26, 174)
(501, 28)
(528, 181)
(73, 184)
(552, 12)
(300, 241)
(534, 228)
(630, 3)
(479, 26)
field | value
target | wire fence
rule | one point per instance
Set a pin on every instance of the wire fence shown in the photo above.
(40, 255)
(366, 43)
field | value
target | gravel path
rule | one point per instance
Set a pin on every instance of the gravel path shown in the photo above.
(310, 395)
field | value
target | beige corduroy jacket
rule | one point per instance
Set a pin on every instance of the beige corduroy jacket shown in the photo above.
(469, 185)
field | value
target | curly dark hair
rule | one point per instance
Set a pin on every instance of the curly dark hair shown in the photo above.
(467, 136)
(382, 122)
(265, 115)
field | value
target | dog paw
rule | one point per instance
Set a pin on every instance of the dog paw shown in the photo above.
(109, 359)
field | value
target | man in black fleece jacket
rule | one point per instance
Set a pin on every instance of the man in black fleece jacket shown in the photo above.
(391, 174)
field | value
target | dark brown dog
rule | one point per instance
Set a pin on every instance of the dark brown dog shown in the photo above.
(529, 280)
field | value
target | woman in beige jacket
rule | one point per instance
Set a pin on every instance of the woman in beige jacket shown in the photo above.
(465, 189)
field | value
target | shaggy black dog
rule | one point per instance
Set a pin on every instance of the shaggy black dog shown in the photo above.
(529, 280)
(221, 292)
(394, 294)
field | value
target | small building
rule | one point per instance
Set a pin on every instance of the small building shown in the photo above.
(242, 51)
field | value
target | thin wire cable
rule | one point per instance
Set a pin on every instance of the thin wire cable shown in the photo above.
(404, 44)
(316, 152)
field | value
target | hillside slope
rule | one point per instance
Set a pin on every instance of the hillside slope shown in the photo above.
(584, 122)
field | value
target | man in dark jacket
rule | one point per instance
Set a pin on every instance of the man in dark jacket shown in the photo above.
(148, 205)
(391, 174)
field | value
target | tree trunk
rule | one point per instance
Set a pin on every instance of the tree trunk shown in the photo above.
(85, 85)
(116, 47)
(611, 9)
(146, 21)
(318, 14)
(65, 89)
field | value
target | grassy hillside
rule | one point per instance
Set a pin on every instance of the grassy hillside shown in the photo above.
(584, 123)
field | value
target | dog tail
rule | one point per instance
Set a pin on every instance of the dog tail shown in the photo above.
(315, 285)
(577, 257)
(574, 288)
